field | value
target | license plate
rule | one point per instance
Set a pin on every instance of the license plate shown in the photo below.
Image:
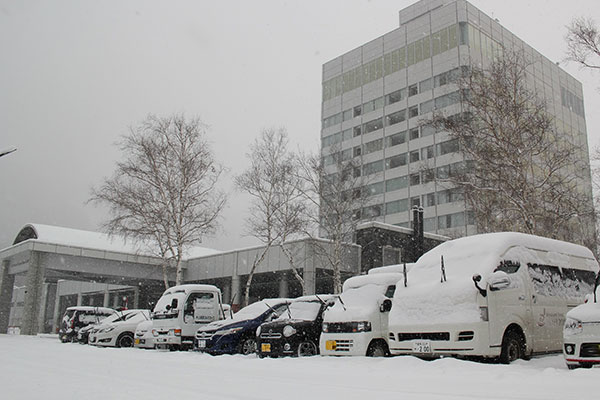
(330, 345)
(422, 346)
(202, 343)
(161, 340)
(265, 347)
(137, 341)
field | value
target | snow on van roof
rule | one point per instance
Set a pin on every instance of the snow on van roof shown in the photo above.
(190, 287)
(95, 240)
(397, 268)
(380, 279)
(427, 298)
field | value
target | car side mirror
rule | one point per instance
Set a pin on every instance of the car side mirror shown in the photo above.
(385, 306)
(499, 280)
(174, 303)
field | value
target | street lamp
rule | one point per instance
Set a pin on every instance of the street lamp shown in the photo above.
(7, 151)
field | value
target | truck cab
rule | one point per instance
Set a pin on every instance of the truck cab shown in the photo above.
(183, 309)
(357, 324)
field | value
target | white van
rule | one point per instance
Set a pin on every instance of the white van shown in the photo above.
(492, 295)
(357, 324)
(181, 311)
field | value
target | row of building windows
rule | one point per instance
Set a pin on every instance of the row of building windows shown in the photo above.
(393, 119)
(439, 80)
(572, 102)
(422, 49)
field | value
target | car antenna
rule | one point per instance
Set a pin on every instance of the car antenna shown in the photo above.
(443, 278)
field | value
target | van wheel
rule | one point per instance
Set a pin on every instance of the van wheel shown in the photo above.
(248, 346)
(377, 349)
(513, 347)
(307, 349)
(125, 340)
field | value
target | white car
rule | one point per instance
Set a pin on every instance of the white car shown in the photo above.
(143, 335)
(581, 334)
(119, 333)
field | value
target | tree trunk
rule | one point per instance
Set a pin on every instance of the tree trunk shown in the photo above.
(290, 258)
(255, 265)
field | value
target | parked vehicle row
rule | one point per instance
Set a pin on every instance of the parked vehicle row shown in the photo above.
(499, 296)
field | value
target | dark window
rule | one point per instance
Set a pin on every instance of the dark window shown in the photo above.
(413, 90)
(396, 139)
(357, 151)
(413, 133)
(357, 111)
(396, 117)
(357, 131)
(414, 156)
(413, 111)
(415, 179)
(395, 161)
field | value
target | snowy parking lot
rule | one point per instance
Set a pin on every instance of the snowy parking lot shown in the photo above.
(42, 367)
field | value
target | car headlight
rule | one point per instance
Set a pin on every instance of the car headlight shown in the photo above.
(288, 331)
(229, 331)
(363, 326)
(154, 332)
(110, 328)
(573, 326)
(325, 327)
(258, 331)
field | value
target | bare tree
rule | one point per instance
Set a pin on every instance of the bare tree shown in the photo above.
(520, 173)
(276, 209)
(583, 43)
(164, 191)
(337, 199)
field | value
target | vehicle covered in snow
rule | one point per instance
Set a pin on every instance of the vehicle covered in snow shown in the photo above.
(183, 309)
(238, 334)
(357, 324)
(297, 330)
(496, 295)
(78, 317)
(120, 332)
(581, 334)
(143, 337)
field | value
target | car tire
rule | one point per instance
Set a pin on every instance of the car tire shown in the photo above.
(307, 349)
(377, 349)
(125, 340)
(248, 346)
(512, 347)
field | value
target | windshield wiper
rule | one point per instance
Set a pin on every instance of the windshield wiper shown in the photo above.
(342, 302)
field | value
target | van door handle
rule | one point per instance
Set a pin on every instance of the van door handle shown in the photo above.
(521, 297)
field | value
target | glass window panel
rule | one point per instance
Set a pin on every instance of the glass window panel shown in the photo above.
(357, 77)
(415, 179)
(426, 106)
(396, 139)
(443, 40)
(413, 90)
(463, 33)
(413, 111)
(426, 47)
(387, 64)
(425, 85)
(410, 54)
(419, 51)
(395, 61)
(379, 68)
(414, 156)
(347, 115)
(452, 36)
(435, 44)
(396, 183)
(375, 188)
(373, 125)
(413, 133)
(402, 58)
(378, 103)
(396, 117)
(396, 206)
(395, 161)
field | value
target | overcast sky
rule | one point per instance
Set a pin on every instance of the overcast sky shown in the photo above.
(75, 74)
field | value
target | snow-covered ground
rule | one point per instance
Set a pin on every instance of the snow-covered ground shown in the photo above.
(42, 367)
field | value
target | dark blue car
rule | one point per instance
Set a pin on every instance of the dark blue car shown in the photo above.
(238, 334)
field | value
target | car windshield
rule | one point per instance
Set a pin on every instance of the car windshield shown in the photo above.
(252, 311)
(166, 300)
(304, 310)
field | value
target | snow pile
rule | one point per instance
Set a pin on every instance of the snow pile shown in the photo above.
(429, 300)
(589, 312)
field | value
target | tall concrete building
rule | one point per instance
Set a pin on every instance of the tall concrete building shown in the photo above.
(375, 95)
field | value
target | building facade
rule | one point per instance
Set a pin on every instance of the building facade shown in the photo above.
(375, 96)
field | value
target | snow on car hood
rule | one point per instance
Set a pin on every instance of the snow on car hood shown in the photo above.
(589, 312)
(428, 300)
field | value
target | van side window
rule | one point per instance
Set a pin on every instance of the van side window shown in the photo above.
(510, 267)
(389, 293)
(549, 280)
(198, 300)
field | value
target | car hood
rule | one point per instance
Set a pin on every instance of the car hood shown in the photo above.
(589, 312)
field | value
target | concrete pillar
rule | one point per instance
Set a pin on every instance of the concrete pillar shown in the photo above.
(42, 311)
(106, 297)
(56, 316)
(226, 294)
(236, 293)
(33, 295)
(283, 285)
(136, 297)
(80, 297)
(7, 283)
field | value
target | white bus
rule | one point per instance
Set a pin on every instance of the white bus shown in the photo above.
(496, 295)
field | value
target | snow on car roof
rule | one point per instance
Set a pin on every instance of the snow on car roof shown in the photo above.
(91, 308)
(190, 287)
(398, 268)
(95, 240)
